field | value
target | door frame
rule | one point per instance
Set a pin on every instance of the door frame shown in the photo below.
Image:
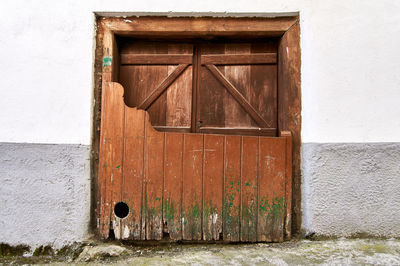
(287, 28)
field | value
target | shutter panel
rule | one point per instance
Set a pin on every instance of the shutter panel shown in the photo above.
(238, 89)
(157, 77)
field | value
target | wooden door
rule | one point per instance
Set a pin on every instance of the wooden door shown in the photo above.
(204, 161)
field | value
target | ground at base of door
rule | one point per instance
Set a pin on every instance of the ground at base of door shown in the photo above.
(303, 252)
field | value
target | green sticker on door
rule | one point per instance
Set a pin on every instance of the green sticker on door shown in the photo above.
(107, 61)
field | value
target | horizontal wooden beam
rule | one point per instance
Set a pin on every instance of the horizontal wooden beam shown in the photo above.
(239, 59)
(156, 59)
(199, 26)
(268, 132)
(172, 129)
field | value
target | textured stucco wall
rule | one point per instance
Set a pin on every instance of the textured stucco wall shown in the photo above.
(351, 188)
(44, 194)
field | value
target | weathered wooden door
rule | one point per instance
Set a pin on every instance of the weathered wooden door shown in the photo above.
(204, 160)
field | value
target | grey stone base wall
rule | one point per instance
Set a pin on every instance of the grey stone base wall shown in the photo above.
(44, 194)
(351, 188)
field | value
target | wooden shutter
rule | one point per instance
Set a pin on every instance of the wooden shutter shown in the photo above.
(237, 88)
(221, 88)
(157, 77)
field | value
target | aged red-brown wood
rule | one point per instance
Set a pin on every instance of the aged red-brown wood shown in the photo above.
(271, 189)
(192, 198)
(213, 180)
(112, 151)
(179, 93)
(152, 183)
(173, 185)
(239, 59)
(290, 108)
(161, 88)
(155, 59)
(288, 183)
(190, 186)
(199, 26)
(232, 188)
(249, 186)
(133, 170)
(230, 88)
(254, 77)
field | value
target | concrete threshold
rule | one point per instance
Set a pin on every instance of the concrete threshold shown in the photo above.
(303, 252)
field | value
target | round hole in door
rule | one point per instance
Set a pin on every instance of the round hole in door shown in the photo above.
(121, 209)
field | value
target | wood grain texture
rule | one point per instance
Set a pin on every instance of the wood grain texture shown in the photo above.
(155, 59)
(240, 131)
(290, 108)
(153, 183)
(271, 189)
(232, 188)
(288, 183)
(192, 198)
(173, 178)
(111, 148)
(133, 171)
(199, 26)
(263, 85)
(158, 91)
(191, 186)
(211, 93)
(213, 178)
(249, 185)
(237, 95)
(138, 86)
(179, 93)
(239, 76)
(238, 59)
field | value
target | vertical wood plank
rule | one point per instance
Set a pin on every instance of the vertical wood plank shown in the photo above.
(210, 108)
(213, 186)
(271, 190)
(239, 76)
(133, 171)
(172, 204)
(288, 184)
(111, 150)
(289, 109)
(153, 182)
(263, 84)
(179, 94)
(192, 186)
(250, 157)
(138, 85)
(232, 185)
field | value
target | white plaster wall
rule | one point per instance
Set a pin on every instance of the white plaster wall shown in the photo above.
(350, 93)
(350, 65)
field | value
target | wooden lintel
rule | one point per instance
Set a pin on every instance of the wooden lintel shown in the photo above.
(204, 26)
